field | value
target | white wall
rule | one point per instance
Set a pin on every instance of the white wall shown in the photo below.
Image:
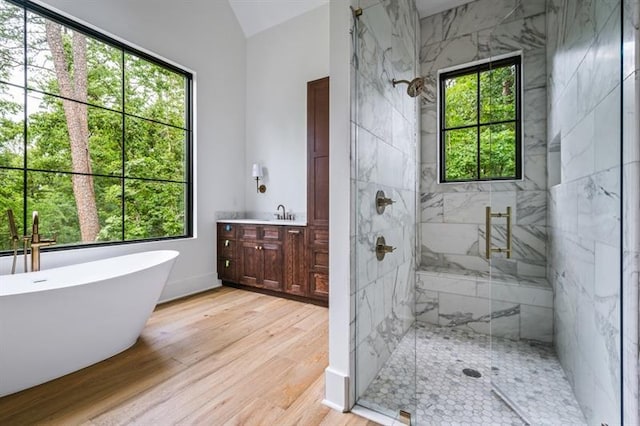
(280, 62)
(341, 309)
(205, 37)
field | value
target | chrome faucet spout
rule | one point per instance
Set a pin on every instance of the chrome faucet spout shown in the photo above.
(284, 211)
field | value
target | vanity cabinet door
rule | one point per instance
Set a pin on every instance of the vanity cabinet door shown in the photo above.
(250, 264)
(295, 276)
(270, 255)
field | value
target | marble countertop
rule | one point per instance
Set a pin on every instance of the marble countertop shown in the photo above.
(264, 222)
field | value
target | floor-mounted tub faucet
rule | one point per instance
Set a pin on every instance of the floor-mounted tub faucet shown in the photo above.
(36, 242)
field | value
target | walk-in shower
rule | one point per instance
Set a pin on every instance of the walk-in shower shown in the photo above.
(501, 302)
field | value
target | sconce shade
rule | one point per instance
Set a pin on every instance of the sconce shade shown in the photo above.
(256, 171)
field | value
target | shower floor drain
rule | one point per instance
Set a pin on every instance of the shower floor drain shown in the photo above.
(472, 373)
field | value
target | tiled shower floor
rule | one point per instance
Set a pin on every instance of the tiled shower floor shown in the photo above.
(528, 374)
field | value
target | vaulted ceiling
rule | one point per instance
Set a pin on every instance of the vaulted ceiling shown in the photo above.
(258, 15)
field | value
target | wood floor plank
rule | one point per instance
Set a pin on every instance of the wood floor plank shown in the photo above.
(308, 364)
(226, 356)
(259, 412)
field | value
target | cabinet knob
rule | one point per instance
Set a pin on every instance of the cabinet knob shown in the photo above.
(227, 263)
(226, 243)
(259, 248)
(256, 247)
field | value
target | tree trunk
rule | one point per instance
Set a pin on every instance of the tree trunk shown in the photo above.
(77, 124)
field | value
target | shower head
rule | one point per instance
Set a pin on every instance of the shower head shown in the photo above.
(416, 86)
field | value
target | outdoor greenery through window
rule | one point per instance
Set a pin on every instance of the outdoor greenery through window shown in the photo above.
(94, 135)
(480, 123)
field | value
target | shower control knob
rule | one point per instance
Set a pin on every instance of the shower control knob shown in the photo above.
(382, 201)
(382, 248)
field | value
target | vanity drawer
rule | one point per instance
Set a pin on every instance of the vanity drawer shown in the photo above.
(227, 230)
(319, 285)
(249, 232)
(271, 233)
(226, 248)
(319, 258)
(227, 270)
(319, 236)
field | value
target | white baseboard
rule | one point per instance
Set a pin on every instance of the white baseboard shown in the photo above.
(336, 390)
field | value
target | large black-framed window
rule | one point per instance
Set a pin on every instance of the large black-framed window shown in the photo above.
(480, 122)
(95, 135)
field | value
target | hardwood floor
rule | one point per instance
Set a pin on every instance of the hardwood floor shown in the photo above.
(225, 357)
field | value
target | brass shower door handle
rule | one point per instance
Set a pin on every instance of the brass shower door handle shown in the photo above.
(488, 219)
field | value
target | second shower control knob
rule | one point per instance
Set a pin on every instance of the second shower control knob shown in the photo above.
(382, 248)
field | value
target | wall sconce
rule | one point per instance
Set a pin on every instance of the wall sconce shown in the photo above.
(257, 174)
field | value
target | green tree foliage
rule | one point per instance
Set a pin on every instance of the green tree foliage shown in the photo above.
(137, 144)
(479, 101)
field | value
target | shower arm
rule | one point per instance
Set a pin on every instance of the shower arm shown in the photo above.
(395, 82)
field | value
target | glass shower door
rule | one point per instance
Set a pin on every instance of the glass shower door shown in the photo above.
(384, 181)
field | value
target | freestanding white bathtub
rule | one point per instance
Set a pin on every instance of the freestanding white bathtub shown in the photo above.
(57, 321)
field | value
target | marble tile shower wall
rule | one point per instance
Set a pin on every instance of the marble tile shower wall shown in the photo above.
(631, 209)
(453, 215)
(384, 157)
(584, 89)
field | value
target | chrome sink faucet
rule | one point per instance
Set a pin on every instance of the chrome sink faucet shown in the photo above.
(284, 212)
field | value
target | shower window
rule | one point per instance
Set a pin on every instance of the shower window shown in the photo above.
(480, 125)
(96, 135)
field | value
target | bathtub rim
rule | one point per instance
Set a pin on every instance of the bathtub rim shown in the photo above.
(29, 282)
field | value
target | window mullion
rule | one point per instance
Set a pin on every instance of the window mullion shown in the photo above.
(24, 123)
(478, 109)
(123, 156)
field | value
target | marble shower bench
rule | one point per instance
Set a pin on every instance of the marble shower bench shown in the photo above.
(508, 306)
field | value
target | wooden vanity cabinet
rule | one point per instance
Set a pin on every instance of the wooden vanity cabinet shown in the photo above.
(272, 259)
(261, 256)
